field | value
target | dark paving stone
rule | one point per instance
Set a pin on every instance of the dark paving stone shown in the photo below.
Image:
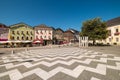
(110, 56)
(2, 69)
(86, 75)
(111, 62)
(112, 74)
(61, 76)
(21, 68)
(32, 77)
(5, 78)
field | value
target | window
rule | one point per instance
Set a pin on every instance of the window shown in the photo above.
(27, 32)
(45, 31)
(13, 32)
(31, 38)
(41, 32)
(22, 38)
(17, 32)
(17, 38)
(31, 33)
(49, 37)
(49, 32)
(44, 36)
(117, 39)
(117, 30)
(109, 39)
(109, 32)
(22, 32)
(13, 38)
(37, 32)
(41, 37)
(27, 38)
(36, 37)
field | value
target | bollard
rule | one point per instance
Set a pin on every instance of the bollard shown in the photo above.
(26, 50)
(12, 52)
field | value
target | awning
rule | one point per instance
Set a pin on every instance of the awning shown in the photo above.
(40, 41)
(3, 42)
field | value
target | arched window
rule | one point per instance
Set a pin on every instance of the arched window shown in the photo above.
(13, 32)
(27, 38)
(31, 38)
(13, 38)
(17, 38)
(27, 32)
(22, 38)
(40, 37)
(36, 37)
(31, 33)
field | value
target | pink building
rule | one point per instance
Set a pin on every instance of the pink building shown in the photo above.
(4, 31)
(43, 34)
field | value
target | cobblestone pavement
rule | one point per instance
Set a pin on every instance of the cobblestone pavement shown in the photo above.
(60, 64)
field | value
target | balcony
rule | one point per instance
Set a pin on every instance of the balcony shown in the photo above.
(117, 33)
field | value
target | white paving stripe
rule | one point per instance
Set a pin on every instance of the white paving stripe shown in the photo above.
(117, 67)
(29, 65)
(14, 74)
(37, 55)
(100, 69)
(46, 75)
(93, 78)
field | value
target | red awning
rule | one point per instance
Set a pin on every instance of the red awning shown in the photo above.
(40, 41)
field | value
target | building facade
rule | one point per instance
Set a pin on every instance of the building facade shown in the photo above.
(114, 31)
(69, 36)
(45, 33)
(76, 34)
(21, 33)
(58, 36)
(4, 30)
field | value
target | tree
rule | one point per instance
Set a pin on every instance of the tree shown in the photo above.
(95, 29)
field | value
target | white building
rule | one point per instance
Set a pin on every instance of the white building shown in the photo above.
(114, 31)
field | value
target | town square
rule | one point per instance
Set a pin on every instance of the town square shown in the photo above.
(68, 63)
(59, 40)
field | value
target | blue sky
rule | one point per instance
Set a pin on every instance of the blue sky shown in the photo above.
(57, 13)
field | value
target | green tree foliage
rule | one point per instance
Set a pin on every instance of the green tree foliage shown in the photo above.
(95, 29)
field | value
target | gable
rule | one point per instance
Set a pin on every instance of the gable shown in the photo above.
(20, 25)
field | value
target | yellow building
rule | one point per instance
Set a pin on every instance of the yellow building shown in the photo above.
(114, 31)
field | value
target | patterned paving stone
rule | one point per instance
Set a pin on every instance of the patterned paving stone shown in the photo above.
(61, 76)
(60, 64)
(32, 77)
(5, 78)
